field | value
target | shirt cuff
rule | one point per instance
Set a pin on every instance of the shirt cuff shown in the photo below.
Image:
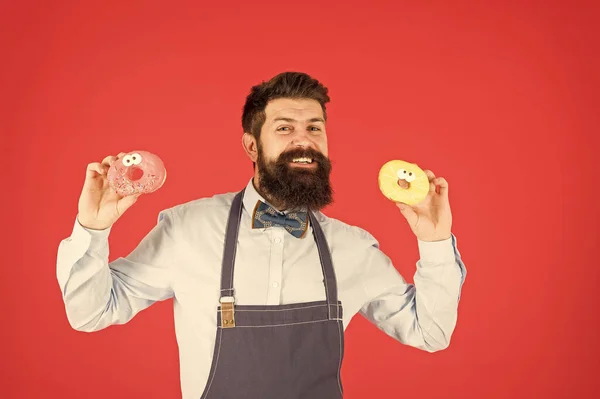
(436, 252)
(93, 239)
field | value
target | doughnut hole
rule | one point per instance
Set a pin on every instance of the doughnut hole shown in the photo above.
(403, 184)
(135, 173)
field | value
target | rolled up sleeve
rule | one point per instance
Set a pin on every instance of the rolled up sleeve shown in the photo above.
(98, 293)
(424, 314)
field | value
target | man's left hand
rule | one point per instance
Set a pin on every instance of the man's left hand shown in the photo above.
(431, 219)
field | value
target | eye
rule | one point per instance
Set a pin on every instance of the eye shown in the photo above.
(136, 158)
(402, 174)
(314, 129)
(283, 128)
(411, 177)
(127, 160)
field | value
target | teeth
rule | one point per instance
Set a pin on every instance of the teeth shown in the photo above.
(302, 160)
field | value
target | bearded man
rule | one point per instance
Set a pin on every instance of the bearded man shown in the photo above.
(264, 283)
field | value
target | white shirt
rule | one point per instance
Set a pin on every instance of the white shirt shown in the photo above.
(181, 256)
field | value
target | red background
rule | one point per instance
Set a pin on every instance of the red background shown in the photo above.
(498, 97)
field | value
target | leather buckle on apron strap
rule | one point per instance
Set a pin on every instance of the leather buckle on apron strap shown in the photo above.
(227, 312)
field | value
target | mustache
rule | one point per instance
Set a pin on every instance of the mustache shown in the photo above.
(315, 155)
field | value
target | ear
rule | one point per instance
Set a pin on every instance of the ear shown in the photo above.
(249, 144)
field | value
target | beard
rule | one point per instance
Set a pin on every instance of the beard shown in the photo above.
(295, 187)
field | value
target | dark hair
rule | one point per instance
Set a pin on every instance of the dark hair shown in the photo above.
(285, 85)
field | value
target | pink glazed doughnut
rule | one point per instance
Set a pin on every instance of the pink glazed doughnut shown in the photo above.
(137, 172)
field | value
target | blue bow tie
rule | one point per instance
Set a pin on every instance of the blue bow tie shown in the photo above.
(266, 216)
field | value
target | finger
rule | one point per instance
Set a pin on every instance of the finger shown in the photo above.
(125, 202)
(442, 184)
(431, 177)
(430, 174)
(109, 160)
(94, 169)
(408, 212)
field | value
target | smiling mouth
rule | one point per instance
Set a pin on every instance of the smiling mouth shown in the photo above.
(302, 161)
(303, 165)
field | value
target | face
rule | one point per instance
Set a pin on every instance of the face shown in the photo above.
(292, 168)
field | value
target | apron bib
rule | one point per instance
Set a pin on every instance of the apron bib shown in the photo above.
(291, 351)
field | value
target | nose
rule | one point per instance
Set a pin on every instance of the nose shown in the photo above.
(302, 139)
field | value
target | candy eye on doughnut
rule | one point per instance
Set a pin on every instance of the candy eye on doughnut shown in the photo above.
(136, 159)
(127, 160)
(401, 181)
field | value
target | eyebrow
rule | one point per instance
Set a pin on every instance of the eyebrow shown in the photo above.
(291, 120)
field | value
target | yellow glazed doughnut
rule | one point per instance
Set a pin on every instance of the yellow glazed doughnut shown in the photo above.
(402, 181)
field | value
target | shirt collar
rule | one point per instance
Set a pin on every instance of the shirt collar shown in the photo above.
(251, 197)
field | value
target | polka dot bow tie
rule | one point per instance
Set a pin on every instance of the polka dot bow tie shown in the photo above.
(266, 216)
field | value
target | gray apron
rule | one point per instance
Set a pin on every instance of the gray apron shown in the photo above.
(292, 351)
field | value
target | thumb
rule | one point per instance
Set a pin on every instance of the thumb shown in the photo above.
(126, 202)
(408, 213)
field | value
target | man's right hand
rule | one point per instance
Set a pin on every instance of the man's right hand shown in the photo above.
(99, 205)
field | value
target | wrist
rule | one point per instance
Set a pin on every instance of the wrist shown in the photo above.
(91, 226)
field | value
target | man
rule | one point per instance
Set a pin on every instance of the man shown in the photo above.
(264, 284)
